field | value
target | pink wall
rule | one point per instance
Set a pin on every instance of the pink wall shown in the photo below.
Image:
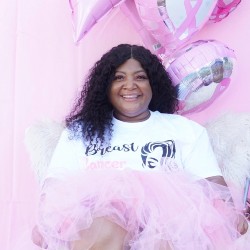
(41, 69)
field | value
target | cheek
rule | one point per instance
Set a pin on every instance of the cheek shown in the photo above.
(112, 93)
(113, 89)
(149, 92)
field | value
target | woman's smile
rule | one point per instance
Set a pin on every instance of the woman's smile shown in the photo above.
(131, 98)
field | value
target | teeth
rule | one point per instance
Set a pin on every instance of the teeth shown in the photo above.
(130, 96)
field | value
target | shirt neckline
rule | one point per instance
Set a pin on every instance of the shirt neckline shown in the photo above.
(132, 125)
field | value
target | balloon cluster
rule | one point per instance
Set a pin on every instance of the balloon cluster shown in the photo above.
(200, 70)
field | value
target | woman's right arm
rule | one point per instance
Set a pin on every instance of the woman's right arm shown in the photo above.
(37, 238)
(64, 161)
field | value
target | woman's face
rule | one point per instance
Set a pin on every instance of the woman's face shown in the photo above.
(130, 92)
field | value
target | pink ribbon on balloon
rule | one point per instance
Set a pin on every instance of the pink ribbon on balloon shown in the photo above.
(173, 22)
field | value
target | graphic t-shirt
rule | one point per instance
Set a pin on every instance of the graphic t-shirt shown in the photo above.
(165, 142)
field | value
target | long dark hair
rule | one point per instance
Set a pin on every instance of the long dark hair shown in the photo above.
(91, 117)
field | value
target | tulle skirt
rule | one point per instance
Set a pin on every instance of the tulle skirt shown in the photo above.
(154, 208)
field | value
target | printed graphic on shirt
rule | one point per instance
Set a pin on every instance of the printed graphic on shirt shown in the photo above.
(103, 164)
(156, 154)
(93, 149)
(159, 154)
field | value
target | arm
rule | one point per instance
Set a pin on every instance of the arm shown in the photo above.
(63, 162)
(37, 238)
(217, 179)
(242, 224)
(201, 161)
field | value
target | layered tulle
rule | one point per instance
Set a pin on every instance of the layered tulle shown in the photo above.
(153, 207)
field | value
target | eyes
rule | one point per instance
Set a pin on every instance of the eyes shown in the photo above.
(119, 77)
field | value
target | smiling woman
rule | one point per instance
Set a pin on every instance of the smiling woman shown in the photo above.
(130, 92)
(128, 173)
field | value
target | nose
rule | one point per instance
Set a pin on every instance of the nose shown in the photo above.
(130, 84)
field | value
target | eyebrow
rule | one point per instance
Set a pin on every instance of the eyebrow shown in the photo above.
(138, 71)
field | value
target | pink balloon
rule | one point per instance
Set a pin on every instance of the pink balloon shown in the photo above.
(222, 9)
(173, 22)
(85, 13)
(201, 72)
(130, 11)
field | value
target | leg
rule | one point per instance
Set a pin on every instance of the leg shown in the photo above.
(102, 235)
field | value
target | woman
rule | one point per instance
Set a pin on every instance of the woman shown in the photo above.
(128, 173)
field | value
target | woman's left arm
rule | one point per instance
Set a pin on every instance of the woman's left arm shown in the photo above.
(242, 224)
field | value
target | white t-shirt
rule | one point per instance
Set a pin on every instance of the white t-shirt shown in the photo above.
(165, 141)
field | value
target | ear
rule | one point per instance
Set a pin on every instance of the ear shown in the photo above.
(230, 138)
(41, 139)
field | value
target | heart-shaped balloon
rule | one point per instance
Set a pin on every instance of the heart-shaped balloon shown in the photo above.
(173, 22)
(222, 9)
(201, 72)
(85, 13)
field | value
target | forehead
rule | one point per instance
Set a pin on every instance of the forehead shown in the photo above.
(130, 65)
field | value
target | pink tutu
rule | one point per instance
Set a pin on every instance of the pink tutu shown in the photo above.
(153, 207)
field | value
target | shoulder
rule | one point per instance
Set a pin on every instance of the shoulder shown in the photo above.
(69, 137)
(178, 121)
(179, 126)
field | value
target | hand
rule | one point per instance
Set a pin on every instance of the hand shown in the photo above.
(38, 239)
(242, 224)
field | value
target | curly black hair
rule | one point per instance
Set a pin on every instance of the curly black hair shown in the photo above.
(91, 117)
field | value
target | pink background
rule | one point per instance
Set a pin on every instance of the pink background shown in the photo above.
(41, 70)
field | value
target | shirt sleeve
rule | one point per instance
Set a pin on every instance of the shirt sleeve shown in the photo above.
(201, 160)
(66, 157)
